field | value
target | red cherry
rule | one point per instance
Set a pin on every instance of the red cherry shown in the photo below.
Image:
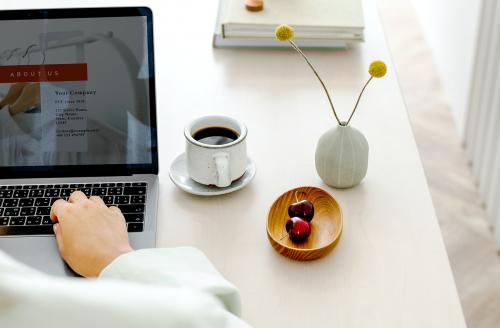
(303, 209)
(298, 229)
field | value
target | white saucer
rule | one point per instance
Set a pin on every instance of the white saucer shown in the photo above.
(179, 176)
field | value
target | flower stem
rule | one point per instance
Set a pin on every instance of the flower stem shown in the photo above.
(317, 75)
(359, 97)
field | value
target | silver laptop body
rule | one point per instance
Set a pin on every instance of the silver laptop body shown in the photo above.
(84, 119)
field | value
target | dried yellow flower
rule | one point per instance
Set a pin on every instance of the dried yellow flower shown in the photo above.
(284, 32)
(377, 68)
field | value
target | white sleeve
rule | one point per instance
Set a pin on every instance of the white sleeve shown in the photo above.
(8, 126)
(14, 141)
(181, 267)
(162, 288)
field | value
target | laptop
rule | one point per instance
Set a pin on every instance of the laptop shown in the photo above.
(77, 112)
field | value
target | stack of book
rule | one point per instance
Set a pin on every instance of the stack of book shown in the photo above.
(317, 23)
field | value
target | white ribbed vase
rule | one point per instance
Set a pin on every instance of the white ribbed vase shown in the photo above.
(342, 157)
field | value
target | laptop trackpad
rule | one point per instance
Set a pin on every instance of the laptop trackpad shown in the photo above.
(38, 252)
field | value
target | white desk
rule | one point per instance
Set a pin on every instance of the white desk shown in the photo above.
(390, 268)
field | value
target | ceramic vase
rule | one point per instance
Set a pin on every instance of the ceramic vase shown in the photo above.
(342, 156)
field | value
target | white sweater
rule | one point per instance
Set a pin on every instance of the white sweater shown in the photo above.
(148, 288)
(22, 143)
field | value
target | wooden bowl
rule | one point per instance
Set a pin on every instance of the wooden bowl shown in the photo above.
(326, 225)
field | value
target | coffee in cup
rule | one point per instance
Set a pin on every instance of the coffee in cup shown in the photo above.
(216, 150)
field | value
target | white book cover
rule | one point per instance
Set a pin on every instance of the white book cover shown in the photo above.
(298, 13)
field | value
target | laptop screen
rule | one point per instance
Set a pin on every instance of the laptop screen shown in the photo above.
(77, 91)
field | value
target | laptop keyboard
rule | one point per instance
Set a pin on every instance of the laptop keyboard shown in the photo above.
(25, 209)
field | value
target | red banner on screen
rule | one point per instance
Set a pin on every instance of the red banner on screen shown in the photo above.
(43, 73)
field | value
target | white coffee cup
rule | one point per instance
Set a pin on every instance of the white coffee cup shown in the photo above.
(216, 164)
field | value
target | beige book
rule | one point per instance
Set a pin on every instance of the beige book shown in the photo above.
(318, 19)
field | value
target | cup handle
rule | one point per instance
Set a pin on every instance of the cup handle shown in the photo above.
(223, 173)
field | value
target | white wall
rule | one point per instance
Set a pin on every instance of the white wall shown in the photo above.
(450, 29)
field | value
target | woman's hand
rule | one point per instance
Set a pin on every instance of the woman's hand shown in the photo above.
(13, 93)
(89, 234)
(29, 97)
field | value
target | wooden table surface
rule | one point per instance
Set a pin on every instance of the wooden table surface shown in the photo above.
(390, 268)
